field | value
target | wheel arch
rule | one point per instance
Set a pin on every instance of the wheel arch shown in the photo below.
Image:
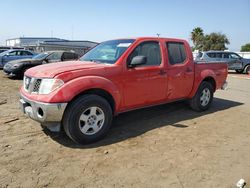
(204, 77)
(210, 80)
(100, 92)
(245, 68)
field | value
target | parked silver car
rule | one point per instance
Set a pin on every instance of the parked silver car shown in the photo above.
(234, 60)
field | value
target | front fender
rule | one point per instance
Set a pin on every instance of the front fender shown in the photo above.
(78, 85)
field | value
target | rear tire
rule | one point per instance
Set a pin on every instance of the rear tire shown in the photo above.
(203, 97)
(87, 119)
(247, 69)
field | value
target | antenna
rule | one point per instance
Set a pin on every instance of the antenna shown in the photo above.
(158, 34)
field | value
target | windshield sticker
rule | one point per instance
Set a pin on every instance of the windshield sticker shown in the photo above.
(124, 45)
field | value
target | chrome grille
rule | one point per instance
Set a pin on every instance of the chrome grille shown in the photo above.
(31, 85)
(36, 85)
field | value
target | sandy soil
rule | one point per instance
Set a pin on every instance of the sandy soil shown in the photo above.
(163, 146)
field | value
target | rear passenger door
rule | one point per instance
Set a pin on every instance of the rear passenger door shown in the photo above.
(180, 70)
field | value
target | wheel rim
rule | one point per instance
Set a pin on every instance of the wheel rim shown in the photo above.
(205, 97)
(91, 120)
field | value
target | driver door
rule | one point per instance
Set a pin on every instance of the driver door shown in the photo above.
(234, 62)
(145, 84)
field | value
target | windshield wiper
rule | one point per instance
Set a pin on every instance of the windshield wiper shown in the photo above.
(96, 61)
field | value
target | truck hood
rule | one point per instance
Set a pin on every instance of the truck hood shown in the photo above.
(52, 69)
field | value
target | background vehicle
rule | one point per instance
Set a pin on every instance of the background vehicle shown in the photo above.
(3, 50)
(234, 60)
(114, 77)
(10, 55)
(18, 67)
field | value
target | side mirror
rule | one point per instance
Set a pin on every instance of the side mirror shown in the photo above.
(138, 60)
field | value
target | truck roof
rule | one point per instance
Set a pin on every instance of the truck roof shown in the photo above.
(150, 38)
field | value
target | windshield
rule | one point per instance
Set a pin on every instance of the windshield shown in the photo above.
(107, 52)
(40, 56)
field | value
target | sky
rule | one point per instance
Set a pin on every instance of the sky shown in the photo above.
(100, 20)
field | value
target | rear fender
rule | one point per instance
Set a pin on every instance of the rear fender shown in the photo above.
(201, 77)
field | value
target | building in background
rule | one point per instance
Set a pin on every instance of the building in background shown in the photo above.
(41, 44)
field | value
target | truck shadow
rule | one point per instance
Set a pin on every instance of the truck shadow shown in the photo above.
(138, 122)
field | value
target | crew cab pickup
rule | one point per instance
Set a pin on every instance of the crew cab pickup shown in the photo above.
(114, 77)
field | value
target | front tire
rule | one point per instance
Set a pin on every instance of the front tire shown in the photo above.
(203, 97)
(239, 71)
(87, 119)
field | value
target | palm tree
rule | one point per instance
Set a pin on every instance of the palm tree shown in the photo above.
(197, 37)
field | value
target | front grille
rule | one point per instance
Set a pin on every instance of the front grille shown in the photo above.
(32, 85)
(36, 86)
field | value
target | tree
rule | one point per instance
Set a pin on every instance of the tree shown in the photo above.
(215, 41)
(212, 41)
(245, 48)
(197, 37)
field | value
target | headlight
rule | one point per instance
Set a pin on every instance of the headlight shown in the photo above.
(49, 84)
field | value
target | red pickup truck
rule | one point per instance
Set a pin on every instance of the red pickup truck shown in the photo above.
(114, 77)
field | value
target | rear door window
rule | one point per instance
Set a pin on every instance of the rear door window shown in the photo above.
(68, 56)
(225, 55)
(176, 53)
(25, 53)
(211, 55)
(218, 55)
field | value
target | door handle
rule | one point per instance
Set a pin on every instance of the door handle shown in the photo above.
(189, 69)
(162, 72)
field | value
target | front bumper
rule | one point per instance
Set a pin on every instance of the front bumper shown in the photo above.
(48, 114)
(9, 70)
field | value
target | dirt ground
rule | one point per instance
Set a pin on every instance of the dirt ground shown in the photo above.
(164, 146)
